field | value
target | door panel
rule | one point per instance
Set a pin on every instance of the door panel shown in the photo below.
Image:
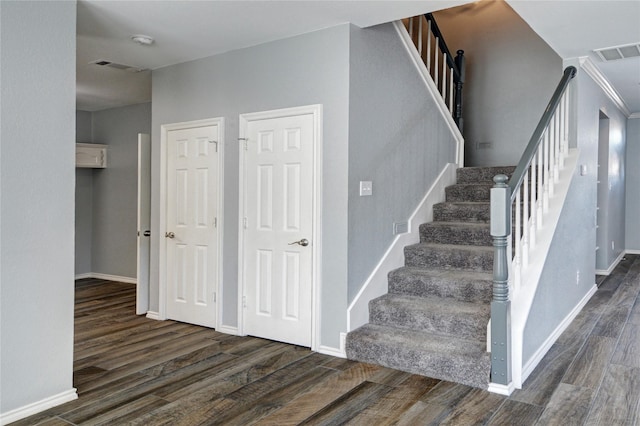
(278, 176)
(192, 234)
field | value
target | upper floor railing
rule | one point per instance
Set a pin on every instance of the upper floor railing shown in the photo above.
(525, 199)
(446, 70)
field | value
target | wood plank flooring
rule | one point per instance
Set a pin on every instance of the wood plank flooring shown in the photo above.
(130, 370)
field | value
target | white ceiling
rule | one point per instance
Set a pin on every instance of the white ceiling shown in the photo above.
(188, 30)
(574, 28)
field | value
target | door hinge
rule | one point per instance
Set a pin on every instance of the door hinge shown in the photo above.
(215, 222)
(244, 141)
(244, 301)
(214, 297)
(245, 222)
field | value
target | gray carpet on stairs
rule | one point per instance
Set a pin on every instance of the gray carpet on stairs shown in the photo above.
(433, 320)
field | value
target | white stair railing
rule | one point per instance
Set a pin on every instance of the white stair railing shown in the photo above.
(525, 199)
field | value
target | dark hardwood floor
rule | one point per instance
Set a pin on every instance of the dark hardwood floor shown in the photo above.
(135, 371)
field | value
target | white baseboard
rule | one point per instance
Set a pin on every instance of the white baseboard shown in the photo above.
(337, 352)
(83, 276)
(377, 283)
(544, 348)
(36, 407)
(610, 269)
(227, 329)
(501, 389)
(632, 251)
(153, 315)
(107, 277)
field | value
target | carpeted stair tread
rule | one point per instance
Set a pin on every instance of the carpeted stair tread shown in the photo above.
(482, 174)
(462, 211)
(447, 256)
(466, 233)
(441, 357)
(468, 192)
(454, 318)
(464, 286)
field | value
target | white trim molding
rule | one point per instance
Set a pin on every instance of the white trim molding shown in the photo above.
(377, 283)
(154, 316)
(634, 115)
(601, 80)
(337, 352)
(535, 359)
(108, 277)
(227, 329)
(613, 265)
(38, 406)
(501, 389)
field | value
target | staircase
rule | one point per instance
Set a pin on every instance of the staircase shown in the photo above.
(434, 319)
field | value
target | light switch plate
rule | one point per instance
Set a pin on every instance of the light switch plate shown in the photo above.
(366, 187)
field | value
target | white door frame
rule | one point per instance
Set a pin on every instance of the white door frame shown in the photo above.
(144, 223)
(245, 119)
(162, 273)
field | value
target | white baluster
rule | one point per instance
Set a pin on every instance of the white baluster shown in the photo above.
(534, 210)
(525, 220)
(540, 183)
(518, 243)
(566, 129)
(444, 76)
(429, 46)
(420, 35)
(560, 113)
(556, 146)
(548, 190)
(435, 65)
(411, 28)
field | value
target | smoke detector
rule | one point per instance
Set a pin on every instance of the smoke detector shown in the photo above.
(142, 39)
(619, 52)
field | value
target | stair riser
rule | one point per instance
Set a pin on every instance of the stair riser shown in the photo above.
(462, 290)
(458, 193)
(483, 174)
(448, 259)
(444, 212)
(456, 324)
(455, 235)
(466, 370)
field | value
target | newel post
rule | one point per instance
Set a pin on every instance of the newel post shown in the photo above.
(500, 306)
(459, 84)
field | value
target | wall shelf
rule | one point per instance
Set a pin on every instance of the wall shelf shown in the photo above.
(91, 155)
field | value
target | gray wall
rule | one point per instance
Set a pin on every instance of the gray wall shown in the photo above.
(610, 234)
(37, 130)
(397, 139)
(511, 75)
(632, 225)
(84, 200)
(573, 247)
(309, 69)
(115, 189)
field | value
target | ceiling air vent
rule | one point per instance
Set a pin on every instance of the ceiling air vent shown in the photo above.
(619, 52)
(104, 63)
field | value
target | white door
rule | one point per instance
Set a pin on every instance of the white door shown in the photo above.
(144, 223)
(278, 236)
(191, 224)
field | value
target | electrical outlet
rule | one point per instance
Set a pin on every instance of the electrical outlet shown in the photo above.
(577, 277)
(613, 245)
